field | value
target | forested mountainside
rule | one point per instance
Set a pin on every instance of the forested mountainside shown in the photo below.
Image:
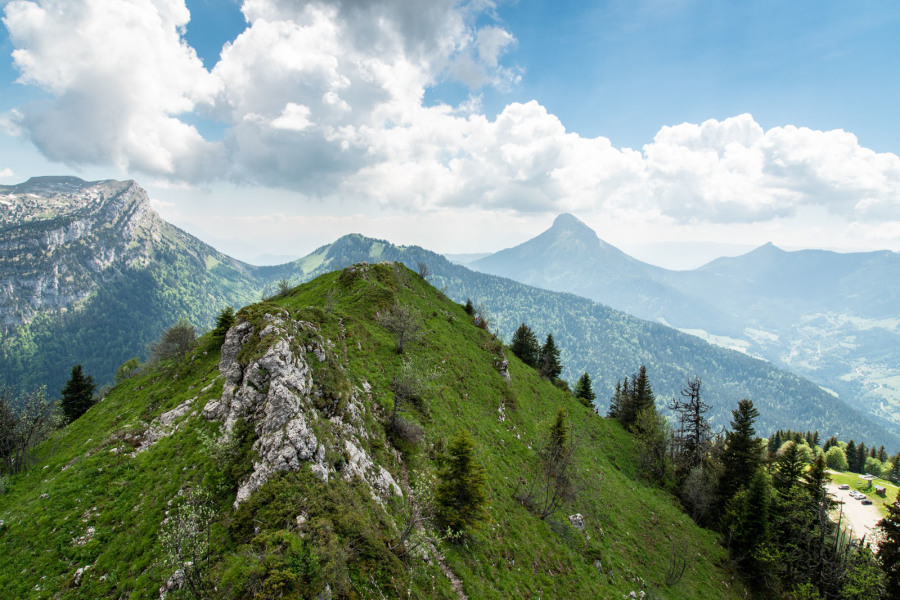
(829, 317)
(609, 344)
(322, 489)
(154, 274)
(90, 274)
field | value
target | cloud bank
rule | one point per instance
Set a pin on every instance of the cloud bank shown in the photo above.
(327, 99)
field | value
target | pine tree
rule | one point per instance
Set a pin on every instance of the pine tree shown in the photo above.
(553, 484)
(550, 365)
(741, 456)
(616, 402)
(78, 395)
(775, 442)
(816, 478)
(788, 467)
(584, 390)
(851, 453)
(693, 431)
(832, 441)
(525, 345)
(889, 549)
(224, 322)
(859, 465)
(643, 394)
(460, 497)
(895, 468)
(749, 515)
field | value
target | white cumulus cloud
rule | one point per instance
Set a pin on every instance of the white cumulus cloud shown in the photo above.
(326, 98)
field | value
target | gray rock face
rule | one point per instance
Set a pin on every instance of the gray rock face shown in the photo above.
(58, 243)
(276, 393)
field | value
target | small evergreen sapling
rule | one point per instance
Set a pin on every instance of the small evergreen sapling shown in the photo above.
(550, 365)
(525, 345)
(584, 390)
(78, 395)
(460, 497)
(224, 322)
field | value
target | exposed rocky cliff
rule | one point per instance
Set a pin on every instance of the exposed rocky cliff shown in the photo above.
(59, 240)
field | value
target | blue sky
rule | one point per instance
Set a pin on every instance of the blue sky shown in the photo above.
(654, 121)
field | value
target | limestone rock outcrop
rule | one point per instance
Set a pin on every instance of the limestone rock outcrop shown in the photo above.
(277, 393)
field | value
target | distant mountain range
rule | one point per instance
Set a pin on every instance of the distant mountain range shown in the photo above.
(91, 275)
(831, 317)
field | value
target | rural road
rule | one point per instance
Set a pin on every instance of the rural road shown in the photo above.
(862, 518)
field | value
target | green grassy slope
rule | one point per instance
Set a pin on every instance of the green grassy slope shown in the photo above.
(87, 502)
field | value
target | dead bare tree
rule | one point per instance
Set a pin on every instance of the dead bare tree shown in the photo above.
(554, 482)
(693, 433)
(403, 322)
(25, 421)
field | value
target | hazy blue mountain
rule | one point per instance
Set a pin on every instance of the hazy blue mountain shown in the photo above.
(831, 317)
(569, 257)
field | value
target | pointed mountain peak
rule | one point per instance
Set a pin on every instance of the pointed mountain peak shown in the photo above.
(568, 221)
(768, 248)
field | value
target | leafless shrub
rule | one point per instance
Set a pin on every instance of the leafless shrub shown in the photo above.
(403, 323)
(25, 422)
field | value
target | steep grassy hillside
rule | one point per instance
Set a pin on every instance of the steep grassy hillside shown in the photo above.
(308, 376)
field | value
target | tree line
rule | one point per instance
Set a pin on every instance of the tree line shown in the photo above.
(767, 498)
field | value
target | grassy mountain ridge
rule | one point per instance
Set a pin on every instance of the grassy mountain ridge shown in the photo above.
(90, 503)
(609, 345)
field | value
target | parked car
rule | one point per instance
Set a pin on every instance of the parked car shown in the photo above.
(866, 501)
(844, 486)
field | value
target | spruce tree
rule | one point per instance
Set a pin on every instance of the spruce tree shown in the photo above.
(616, 402)
(859, 465)
(224, 322)
(584, 390)
(750, 527)
(788, 467)
(741, 457)
(894, 474)
(550, 365)
(889, 549)
(460, 497)
(525, 345)
(643, 394)
(851, 453)
(78, 395)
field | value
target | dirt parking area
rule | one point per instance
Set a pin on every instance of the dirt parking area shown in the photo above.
(863, 518)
